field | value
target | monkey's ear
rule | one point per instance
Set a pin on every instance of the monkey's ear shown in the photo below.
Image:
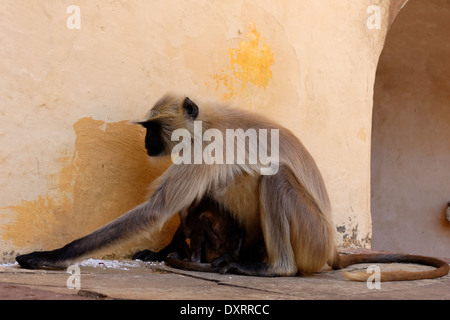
(190, 108)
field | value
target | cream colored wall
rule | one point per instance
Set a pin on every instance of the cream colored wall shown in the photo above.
(411, 133)
(69, 162)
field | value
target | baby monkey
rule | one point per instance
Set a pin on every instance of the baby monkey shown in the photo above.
(208, 239)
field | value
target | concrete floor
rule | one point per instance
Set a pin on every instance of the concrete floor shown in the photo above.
(102, 279)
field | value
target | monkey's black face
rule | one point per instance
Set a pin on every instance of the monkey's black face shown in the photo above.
(161, 120)
(153, 139)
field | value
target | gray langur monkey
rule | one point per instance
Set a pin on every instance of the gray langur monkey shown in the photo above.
(289, 209)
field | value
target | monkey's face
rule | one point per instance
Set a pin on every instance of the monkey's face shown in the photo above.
(153, 138)
(167, 115)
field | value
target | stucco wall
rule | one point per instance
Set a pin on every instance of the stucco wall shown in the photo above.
(69, 162)
(411, 133)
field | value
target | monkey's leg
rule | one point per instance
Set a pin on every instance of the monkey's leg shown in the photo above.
(197, 243)
(174, 193)
(275, 198)
(226, 264)
(177, 244)
(202, 235)
(174, 261)
(297, 234)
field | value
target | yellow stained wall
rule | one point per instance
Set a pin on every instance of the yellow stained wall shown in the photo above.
(70, 81)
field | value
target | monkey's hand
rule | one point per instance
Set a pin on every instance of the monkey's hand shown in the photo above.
(147, 255)
(228, 265)
(42, 260)
(224, 262)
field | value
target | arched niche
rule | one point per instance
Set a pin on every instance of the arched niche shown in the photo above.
(410, 152)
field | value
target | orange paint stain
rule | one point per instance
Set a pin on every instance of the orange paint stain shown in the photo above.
(108, 174)
(250, 63)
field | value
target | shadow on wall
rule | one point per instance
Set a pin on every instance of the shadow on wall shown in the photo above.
(411, 133)
(108, 173)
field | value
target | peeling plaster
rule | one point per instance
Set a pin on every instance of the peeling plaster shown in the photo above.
(353, 237)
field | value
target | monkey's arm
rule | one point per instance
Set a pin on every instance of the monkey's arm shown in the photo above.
(223, 264)
(121, 228)
(178, 245)
(175, 192)
(175, 262)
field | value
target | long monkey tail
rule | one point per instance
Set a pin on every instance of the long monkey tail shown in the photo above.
(442, 267)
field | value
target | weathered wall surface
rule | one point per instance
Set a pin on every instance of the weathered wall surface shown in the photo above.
(69, 162)
(411, 133)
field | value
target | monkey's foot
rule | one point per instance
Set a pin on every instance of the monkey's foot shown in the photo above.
(228, 265)
(225, 263)
(42, 260)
